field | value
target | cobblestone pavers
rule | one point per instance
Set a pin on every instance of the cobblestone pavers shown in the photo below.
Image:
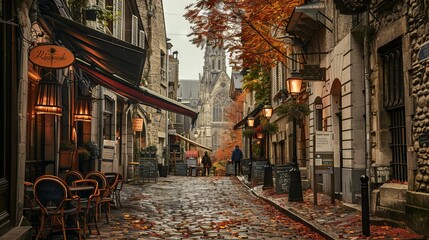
(334, 221)
(197, 208)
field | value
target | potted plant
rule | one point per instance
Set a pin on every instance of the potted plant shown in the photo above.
(67, 150)
(83, 154)
(88, 153)
(149, 152)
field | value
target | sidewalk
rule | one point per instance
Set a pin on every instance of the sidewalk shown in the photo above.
(338, 221)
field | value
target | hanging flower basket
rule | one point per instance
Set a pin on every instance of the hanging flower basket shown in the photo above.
(249, 132)
(293, 110)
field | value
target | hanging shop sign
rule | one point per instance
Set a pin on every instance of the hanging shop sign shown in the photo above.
(137, 124)
(312, 73)
(51, 56)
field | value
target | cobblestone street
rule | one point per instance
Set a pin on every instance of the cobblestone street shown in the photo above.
(197, 208)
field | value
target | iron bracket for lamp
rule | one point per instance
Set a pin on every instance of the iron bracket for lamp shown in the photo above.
(325, 17)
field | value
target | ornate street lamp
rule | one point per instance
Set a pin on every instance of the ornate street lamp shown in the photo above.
(294, 83)
(250, 124)
(157, 116)
(268, 111)
(268, 170)
(250, 121)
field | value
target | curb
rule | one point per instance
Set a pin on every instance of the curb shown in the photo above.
(297, 217)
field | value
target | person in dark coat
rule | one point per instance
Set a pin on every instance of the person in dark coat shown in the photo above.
(236, 157)
(207, 163)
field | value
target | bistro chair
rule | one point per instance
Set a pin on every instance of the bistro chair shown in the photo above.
(72, 176)
(115, 181)
(89, 198)
(31, 209)
(57, 205)
(105, 193)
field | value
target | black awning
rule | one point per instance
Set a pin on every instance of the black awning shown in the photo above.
(106, 52)
(306, 19)
(253, 113)
(137, 94)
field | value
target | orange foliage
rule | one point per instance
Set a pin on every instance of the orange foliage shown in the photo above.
(252, 31)
(234, 113)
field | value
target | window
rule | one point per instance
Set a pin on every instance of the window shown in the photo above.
(215, 144)
(213, 64)
(219, 103)
(218, 64)
(318, 114)
(108, 126)
(163, 67)
(393, 102)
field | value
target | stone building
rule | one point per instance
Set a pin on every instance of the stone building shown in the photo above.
(213, 98)
(371, 95)
(93, 98)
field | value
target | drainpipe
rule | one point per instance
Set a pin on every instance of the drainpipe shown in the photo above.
(367, 98)
(100, 126)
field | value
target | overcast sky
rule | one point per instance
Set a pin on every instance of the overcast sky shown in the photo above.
(191, 58)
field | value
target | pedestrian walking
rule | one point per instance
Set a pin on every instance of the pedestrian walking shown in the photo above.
(236, 157)
(207, 164)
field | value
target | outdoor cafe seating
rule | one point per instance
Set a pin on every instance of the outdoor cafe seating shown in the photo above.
(72, 176)
(89, 195)
(71, 205)
(57, 205)
(116, 182)
(105, 198)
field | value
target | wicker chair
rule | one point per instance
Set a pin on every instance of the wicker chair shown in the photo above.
(89, 201)
(116, 182)
(57, 204)
(72, 176)
(105, 193)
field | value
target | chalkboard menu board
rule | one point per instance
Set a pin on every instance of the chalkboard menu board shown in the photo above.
(148, 168)
(230, 169)
(181, 169)
(282, 175)
(258, 170)
(245, 166)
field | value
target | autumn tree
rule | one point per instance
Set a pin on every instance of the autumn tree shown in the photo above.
(233, 113)
(251, 31)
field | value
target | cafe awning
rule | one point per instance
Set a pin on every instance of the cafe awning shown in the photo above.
(192, 142)
(138, 94)
(110, 62)
(251, 114)
(106, 52)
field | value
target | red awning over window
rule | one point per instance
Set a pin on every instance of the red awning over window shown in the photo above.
(138, 94)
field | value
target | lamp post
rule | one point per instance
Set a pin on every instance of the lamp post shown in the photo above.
(268, 170)
(294, 83)
(250, 124)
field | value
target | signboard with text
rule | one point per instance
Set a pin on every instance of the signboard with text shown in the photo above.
(324, 142)
(51, 56)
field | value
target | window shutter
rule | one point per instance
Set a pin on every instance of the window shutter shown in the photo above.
(117, 11)
(142, 39)
(134, 30)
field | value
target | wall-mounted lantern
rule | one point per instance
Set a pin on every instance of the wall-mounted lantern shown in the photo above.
(48, 98)
(83, 109)
(294, 83)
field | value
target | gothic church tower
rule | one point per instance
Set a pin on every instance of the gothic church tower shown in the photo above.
(213, 98)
